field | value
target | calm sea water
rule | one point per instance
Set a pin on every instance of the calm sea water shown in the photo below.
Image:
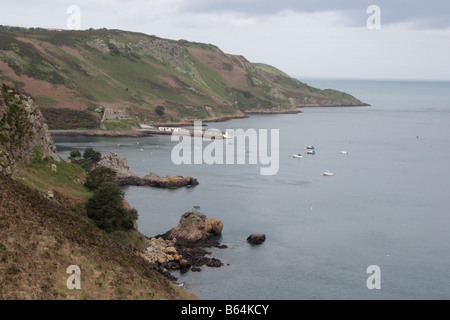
(387, 204)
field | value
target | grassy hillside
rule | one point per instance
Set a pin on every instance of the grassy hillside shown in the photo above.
(71, 73)
(40, 239)
(44, 229)
(44, 224)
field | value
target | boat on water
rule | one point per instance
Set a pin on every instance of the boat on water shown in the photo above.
(327, 173)
(343, 152)
(297, 156)
(310, 147)
(226, 136)
(311, 152)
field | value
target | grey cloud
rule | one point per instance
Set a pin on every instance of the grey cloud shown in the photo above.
(421, 14)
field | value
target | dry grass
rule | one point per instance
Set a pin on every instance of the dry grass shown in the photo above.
(39, 239)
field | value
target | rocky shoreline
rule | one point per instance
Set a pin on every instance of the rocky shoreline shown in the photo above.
(293, 111)
(126, 177)
(100, 133)
(184, 246)
(333, 105)
(153, 180)
(147, 132)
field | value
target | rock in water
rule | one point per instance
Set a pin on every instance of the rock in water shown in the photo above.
(169, 182)
(256, 238)
(120, 165)
(126, 177)
(182, 246)
(194, 228)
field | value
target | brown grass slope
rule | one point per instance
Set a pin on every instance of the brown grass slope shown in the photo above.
(40, 239)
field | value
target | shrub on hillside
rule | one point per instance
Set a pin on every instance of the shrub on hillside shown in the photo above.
(98, 176)
(91, 154)
(106, 209)
(160, 111)
(75, 154)
(68, 119)
(89, 159)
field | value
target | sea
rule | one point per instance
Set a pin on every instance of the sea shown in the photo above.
(379, 228)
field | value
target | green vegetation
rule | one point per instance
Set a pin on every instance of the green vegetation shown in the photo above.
(106, 206)
(24, 58)
(160, 110)
(98, 67)
(63, 118)
(36, 158)
(227, 66)
(120, 124)
(14, 129)
(45, 101)
(41, 238)
(75, 154)
(67, 179)
(89, 159)
(270, 69)
(45, 225)
(106, 209)
(91, 155)
(98, 176)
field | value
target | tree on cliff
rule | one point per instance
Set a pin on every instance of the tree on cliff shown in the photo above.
(106, 209)
(75, 154)
(90, 158)
(98, 176)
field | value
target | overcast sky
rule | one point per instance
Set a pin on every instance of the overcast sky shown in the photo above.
(320, 38)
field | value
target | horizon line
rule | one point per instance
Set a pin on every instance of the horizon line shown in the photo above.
(369, 79)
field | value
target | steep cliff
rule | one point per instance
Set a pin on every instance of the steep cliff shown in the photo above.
(23, 132)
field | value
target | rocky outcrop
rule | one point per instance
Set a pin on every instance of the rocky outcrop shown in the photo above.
(256, 238)
(23, 131)
(183, 247)
(120, 165)
(169, 182)
(171, 52)
(163, 256)
(194, 228)
(126, 177)
(99, 44)
(100, 133)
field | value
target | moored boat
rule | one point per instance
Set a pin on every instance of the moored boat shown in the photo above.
(226, 136)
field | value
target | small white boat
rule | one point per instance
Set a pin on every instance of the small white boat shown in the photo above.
(343, 152)
(310, 147)
(327, 173)
(297, 156)
(311, 152)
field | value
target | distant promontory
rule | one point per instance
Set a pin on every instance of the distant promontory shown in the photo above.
(113, 80)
